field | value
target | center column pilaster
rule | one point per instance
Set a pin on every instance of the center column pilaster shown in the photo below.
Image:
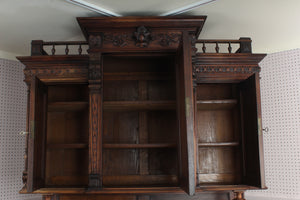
(95, 115)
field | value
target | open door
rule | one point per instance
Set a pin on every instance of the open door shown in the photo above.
(185, 113)
(252, 132)
(37, 135)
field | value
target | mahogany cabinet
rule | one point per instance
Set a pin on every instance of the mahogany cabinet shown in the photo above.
(146, 113)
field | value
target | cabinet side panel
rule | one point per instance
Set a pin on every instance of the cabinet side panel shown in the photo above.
(185, 109)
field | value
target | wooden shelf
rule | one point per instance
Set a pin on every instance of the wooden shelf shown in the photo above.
(67, 146)
(225, 178)
(67, 106)
(140, 180)
(218, 144)
(139, 146)
(138, 76)
(216, 104)
(138, 105)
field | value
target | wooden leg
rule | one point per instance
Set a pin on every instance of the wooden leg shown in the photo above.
(51, 197)
(238, 195)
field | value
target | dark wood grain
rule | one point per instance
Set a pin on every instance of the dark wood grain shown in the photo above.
(216, 104)
(185, 109)
(67, 146)
(139, 146)
(136, 180)
(138, 105)
(67, 106)
(143, 130)
(252, 132)
(217, 144)
(37, 136)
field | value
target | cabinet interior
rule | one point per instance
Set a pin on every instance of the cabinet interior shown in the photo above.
(67, 136)
(139, 121)
(219, 135)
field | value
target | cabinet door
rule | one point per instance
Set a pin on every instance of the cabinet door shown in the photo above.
(252, 132)
(185, 112)
(37, 135)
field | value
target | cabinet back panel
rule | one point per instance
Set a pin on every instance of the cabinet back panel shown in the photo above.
(67, 136)
(162, 127)
(216, 160)
(120, 162)
(218, 165)
(132, 166)
(216, 126)
(67, 127)
(216, 91)
(138, 64)
(163, 161)
(60, 93)
(66, 167)
(120, 90)
(161, 90)
(120, 127)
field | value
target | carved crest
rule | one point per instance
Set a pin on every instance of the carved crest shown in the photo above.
(142, 37)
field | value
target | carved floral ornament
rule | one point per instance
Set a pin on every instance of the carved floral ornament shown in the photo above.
(142, 37)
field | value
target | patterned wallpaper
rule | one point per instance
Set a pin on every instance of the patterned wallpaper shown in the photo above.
(12, 121)
(280, 94)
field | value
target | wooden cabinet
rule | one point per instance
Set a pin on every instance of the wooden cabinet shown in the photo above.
(143, 114)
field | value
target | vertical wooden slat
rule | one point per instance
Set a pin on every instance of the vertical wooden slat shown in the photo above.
(95, 120)
(143, 130)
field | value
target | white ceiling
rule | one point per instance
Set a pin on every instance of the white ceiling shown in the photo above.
(273, 25)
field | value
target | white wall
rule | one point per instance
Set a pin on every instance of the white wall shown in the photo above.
(7, 55)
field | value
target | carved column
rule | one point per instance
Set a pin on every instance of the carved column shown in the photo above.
(95, 117)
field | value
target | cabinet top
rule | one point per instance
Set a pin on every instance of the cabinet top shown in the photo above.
(94, 25)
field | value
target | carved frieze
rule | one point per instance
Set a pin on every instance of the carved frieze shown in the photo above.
(118, 40)
(141, 38)
(225, 69)
(165, 39)
(59, 72)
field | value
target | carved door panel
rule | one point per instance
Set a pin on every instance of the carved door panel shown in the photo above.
(185, 110)
(37, 135)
